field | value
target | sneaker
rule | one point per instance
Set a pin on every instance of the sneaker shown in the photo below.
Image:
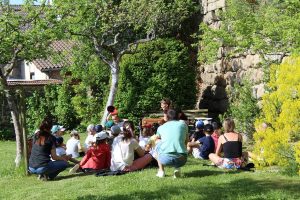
(74, 169)
(42, 177)
(160, 174)
(177, 173)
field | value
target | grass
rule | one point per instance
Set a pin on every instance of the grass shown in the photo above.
(198, 182)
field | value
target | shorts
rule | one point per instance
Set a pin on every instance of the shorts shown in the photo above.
(175, 160)
(230, 163)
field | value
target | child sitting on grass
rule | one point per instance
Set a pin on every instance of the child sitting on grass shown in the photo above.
(145, 136)
(73, 145)
(204, 145)
(97, 157)
(61, 151)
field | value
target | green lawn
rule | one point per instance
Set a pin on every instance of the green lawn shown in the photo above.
(198, 182)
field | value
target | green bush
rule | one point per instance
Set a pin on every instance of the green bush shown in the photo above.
(243, 108)
(159, 69)
(278, 142)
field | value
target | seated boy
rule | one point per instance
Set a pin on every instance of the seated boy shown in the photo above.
(205, 145)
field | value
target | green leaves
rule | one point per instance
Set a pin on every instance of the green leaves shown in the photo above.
(159, 69)
(265, 27)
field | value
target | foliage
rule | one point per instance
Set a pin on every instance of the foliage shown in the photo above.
(114, 28)
(262, 27)
(159, 69)
(64, 110)
(243, 107)
(39, 104)
(90, 79)
(279, 142)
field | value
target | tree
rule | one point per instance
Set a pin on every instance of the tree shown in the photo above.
(24, 35)
(113, 28)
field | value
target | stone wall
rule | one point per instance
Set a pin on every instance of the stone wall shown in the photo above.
(219, 77)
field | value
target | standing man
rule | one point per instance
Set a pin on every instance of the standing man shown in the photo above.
(171, 149)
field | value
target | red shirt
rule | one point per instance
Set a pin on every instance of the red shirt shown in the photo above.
(97, 157)
(215, 137)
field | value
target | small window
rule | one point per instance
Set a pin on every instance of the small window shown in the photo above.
(32, 76)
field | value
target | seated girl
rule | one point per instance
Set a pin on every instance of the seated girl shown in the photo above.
(145, 137)
(123, 148)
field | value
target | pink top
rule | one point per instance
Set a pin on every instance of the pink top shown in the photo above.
(215, 137)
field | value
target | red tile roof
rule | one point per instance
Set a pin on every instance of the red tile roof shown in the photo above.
(64, 48)
(16, 82)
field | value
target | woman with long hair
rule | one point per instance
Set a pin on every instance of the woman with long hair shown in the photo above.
(231, 144)
(43, 149)
(123, 148)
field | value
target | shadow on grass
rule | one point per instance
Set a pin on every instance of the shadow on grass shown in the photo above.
(243, 188)
(58, 178)
(202, 173)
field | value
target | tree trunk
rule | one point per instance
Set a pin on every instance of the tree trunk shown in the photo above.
(113, 89)
(17, 126)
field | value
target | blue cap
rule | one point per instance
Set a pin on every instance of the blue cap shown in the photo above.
(98, 128)
(199, 124)
(56, 128)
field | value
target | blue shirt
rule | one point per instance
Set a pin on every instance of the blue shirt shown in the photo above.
(173, 135)
(207, 147)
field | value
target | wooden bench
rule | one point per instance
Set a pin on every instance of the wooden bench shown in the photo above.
(191, 114)
(147, 121)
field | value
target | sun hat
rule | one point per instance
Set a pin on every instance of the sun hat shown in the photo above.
(57, 128)
(100, 136)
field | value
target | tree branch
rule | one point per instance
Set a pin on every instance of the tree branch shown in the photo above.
(10, 65)
(150, 36)
(99, 53)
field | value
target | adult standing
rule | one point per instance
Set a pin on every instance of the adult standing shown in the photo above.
(43, 146)
(171, 149)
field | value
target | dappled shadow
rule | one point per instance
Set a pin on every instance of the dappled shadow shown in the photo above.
(202, 173)
(236, 189)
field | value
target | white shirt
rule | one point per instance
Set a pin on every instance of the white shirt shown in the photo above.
(88, 141)
(72, 147)
(60, 151)
(143, 141)
(122, 153)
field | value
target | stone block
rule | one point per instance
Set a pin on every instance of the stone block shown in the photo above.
(230, 78)
(215, 5)
(259, 91)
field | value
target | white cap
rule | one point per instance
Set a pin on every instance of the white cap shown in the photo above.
(100, 136)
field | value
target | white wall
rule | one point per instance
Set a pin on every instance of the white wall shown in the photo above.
(28, 68)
